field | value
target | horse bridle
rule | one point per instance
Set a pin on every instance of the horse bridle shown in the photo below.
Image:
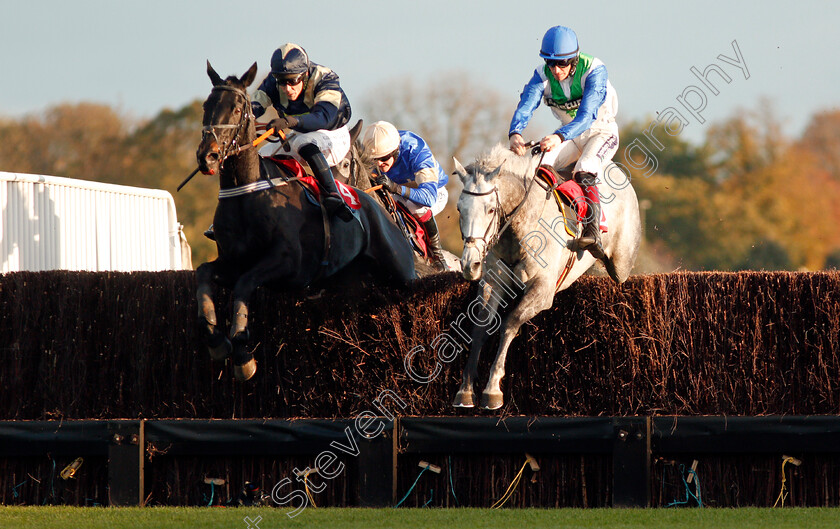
(502, 220)
(498, 220)
(225, 148)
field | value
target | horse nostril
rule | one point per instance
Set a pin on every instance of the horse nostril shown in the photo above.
(212, 157)
(475, 268)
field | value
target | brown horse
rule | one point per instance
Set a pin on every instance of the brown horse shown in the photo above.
(267, 231)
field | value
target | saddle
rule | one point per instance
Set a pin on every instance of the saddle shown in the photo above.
(566, 190)
(282, 167)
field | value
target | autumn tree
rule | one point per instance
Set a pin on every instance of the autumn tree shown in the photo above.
(768, 203)
(674, 156)
(161, 153)
(822, 139)
(72, 140)
(749, 141)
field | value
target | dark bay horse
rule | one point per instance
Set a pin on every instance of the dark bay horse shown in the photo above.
(523, 267)
(267, 231)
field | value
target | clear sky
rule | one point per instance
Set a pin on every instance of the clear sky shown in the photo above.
(142, 57)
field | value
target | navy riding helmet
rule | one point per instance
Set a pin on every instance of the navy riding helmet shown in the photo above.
(289, 61)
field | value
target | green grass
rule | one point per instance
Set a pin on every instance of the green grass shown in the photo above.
(192, 517)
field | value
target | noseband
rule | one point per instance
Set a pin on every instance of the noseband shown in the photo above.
(502, 220)
(229, 148)
(498, 220)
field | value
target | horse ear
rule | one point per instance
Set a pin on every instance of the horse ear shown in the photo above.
(214, 77)
(249, 76)
(459, 170)
(494, 173)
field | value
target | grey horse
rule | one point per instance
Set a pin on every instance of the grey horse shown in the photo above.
(533, 258)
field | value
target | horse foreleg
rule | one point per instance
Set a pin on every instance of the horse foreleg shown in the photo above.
(465, 398)
(537, 298)
(217, 344)
(244, 365)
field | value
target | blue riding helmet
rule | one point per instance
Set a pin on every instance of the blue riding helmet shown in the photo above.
(559, 42)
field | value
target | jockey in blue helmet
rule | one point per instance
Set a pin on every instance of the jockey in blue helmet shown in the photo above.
(576, 88)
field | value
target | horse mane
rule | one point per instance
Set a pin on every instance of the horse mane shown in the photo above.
(499, 154)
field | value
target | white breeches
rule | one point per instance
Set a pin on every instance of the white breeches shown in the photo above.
(419, 211)
(335, 144)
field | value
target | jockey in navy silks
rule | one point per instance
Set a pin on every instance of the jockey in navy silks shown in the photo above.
(414, 177)
(576, 87)
(310, 102)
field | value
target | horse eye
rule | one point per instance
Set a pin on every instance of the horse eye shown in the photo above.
(237, 111)
(491, 211)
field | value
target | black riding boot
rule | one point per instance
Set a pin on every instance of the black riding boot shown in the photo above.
(590, 238)
(321, 169)
(436, 249)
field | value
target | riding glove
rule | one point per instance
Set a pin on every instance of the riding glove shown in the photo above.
(281, 123)
(392, 187)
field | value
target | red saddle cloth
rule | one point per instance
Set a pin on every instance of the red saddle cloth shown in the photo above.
(571, 190)
(351, 198)
(416, 234)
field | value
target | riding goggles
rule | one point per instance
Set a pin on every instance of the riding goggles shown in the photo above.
(387, 157)
(561, 63)
(286, 80)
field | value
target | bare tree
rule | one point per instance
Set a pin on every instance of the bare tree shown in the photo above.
(456, 115)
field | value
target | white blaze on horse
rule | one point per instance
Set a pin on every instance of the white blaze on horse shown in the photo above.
(520, 243)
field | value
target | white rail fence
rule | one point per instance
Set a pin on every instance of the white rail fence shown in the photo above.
(54, 223)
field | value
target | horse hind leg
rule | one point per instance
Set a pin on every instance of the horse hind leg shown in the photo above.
(619, 263)
(217, 343)
(612, 271)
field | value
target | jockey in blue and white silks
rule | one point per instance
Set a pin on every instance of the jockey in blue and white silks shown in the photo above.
(413, 176)
(576, 88)
(311, 104)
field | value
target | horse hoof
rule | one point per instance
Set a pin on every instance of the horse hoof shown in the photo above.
(220, 351)
(246, 370)
(464, 399)
(492, 400)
